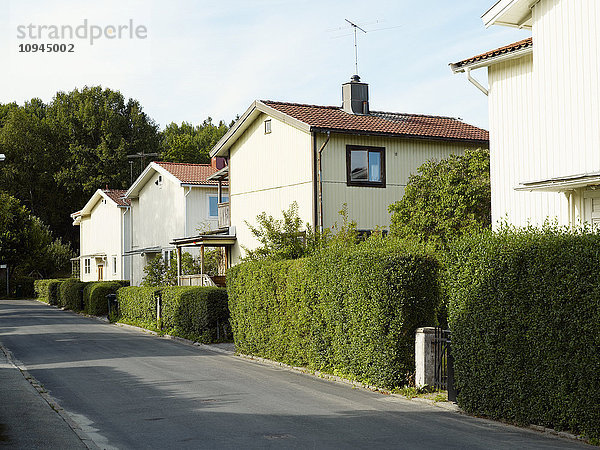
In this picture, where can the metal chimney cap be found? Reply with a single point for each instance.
(355, 78)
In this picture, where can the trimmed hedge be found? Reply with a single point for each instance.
(138, 304)
(525, 316)
(193, 312)
(70, 294)
(47, 290)
(94, 296)
(198, 313)
(346, 310)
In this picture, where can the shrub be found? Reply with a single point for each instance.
(94, 296)
(525, 317)
(347, 309)
(47, 290)
(70, 294)
(138, 305)
(198, 313)
(22, 287)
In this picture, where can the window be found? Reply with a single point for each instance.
(267, 126)
(365, 166)
(167, 254)
(114, 265)
(87, 265)
(213, 205)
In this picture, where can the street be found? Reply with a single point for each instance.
(127, 389)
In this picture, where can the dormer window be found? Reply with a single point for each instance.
(267, 126)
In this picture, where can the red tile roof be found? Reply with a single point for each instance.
(190, 173)
(384, 123)
(525, 43)
(116, 195)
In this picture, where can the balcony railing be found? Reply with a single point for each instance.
(224, 218)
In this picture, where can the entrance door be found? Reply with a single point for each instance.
(100, 272)
(592, 207)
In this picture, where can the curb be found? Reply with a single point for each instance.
(85, 439)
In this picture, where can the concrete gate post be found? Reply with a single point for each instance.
(424, 357)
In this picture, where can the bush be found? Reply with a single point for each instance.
(22, 287)
(351, 310)
(47, 290)
(70, 294)
(198, 313)
(138, 305)
(525, 317)
(94, 296)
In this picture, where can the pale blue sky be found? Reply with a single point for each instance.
(212, 58)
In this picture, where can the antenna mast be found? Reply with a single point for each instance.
(353, 25)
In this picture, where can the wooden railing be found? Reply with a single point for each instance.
(224, 218)
(200, 279)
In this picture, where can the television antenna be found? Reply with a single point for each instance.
(355, 28)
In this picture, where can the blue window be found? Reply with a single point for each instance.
(213, 205)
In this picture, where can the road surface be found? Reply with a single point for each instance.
(127, 389)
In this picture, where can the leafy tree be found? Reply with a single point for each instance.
(58, 154)
(191, 144)
(445, 200)
(26, 244)
(158, 273)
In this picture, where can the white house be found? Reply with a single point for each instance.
(544, 108)
(169, 200)
(104, 236)
(322, 157)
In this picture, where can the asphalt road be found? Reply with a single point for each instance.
(127, 389)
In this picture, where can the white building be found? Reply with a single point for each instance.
(169, 200)
(322, 157)
(544, 108)
(104, 236)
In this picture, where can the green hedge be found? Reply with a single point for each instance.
(350, 310)
(94, 296)
(22, 287)
(138, 304)
(70, 294)
(47, 290)
(198, 313)
(525, 317)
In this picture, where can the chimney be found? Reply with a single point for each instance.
(355, 96)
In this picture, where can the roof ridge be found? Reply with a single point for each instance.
(183, 164)
(301, 104)
(433, 116)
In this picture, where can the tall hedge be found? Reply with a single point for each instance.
(70, 294)
(138, 304)
(46, 290)
(94, 296)
(198, 313)
(347, 310)
(525, 317)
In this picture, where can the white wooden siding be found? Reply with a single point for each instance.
(515, 157)
(566, 36)
(100, 233)
(267, 173)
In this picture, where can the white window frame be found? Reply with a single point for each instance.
(87, 265)
(114, 265)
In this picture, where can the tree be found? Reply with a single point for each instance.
(190, 144)
(58, 154)
(445, 200)
(26, 244)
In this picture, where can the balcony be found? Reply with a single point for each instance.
(224, 217)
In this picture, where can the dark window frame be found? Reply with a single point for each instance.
(368, 149)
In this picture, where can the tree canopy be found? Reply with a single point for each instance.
(26, 244)
(190, 144)
(445, 199)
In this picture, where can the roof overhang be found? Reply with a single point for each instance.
(139, 251)
(222, 147)
(92, 255)
(207, 240)
(221, 175)
(486, 62)
(89, 206)
(510, 13)
(561, 184)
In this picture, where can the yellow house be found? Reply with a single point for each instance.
(323, 157)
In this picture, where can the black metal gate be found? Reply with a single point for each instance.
(444, 362)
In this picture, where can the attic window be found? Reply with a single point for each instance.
(158, 181)
(267, 126)
(365, 166)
